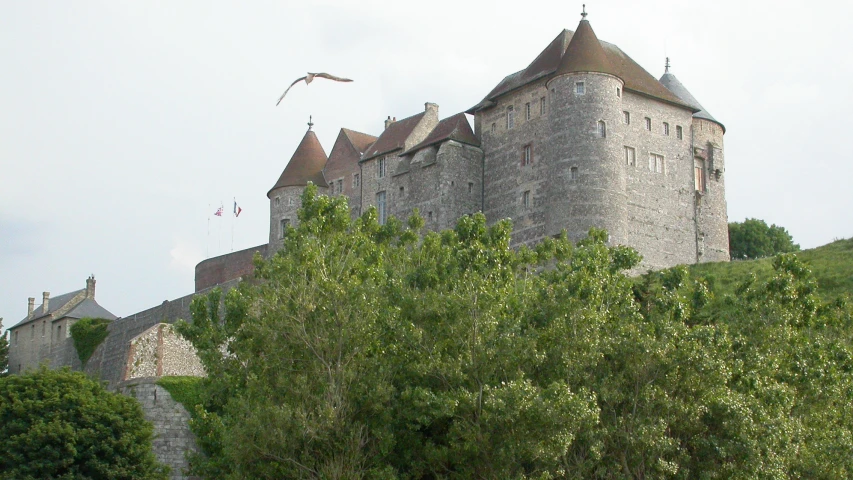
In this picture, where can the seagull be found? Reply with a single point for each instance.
(308, 79)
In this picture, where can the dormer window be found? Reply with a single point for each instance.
(580, 89)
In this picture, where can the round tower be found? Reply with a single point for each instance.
(709, 166)
(587, 182)
(306, 165)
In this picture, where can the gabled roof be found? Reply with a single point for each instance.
(669, 81)
(451, 128)
(90, 308)
(546, 63)
(585, 53)
(394, 137)
(86, 308)
(361, 141)
(306, 165)
(53, 305)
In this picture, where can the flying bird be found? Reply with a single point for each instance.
(308, 79)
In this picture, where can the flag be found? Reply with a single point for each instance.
(218, 212)
(237, 209)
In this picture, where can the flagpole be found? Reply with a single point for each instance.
(221, 206)
(232, 223)
(207, 245)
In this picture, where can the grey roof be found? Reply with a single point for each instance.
(90, 308)
(671, 82)
(86, 308)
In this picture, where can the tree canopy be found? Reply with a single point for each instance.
(61, 424)
(379, 351)
(752, 238)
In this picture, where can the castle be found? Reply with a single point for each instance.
(582, 137)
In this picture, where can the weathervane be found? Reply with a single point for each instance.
(583, 13)
(666, 67)
(310, 122)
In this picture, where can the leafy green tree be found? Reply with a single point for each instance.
(4, 351)
(752, 238)
(380, 351)
(61, 424)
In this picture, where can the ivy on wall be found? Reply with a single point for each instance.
(87, 334)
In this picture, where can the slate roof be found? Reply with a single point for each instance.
(306, 165)
(585, 53)
(86, 308)
(546, 63)
(455, 128)
(394, 137)
(361, 141)
(669, 81)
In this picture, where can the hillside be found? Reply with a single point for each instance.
(832, 265)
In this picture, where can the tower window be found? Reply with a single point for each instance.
(630, 157)
(525, 199)
(285, 222)
(699, 174)
(679, 132)
(542, 106)
(381, 167)
(618, 92)
(510, 118)
(356, 180)
(573, 173)
(429, 216)
(626, 116)
(656, 163)
(402, 191)
(648, 124)
(527, 155)
(602, 129)
(290, 201)
(380, 205)
(494, 127)
(470, 187)
(527, 108)
(277, 201)
(665, 128)
(580, 89)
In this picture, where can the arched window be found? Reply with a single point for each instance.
(602, 129)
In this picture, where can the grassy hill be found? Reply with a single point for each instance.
(832, 265)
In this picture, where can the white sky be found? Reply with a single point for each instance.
(123, 125)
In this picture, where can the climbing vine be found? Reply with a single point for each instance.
(87, 334)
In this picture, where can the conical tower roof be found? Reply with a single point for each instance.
(306, 165)
(669, 81)
(585, 53)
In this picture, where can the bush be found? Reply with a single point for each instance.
(87, 334)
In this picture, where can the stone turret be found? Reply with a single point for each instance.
(306, 165)
(586, 183)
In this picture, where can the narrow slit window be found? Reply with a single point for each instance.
(527, 155)
(665, 128)
(679, 132)
(381, 167)
(573, 173)
(602, 129)
(626, 115)
(542, 106)
(648, 124)
(525, 199)
(527, 109)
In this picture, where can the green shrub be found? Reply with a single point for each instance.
(87, 334)
(185, 390)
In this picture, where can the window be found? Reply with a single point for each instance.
(527, 109)
(525, 199)
(43, 328)
(527, 155)
(494, 127)
(356, 180)
(380, 205)
(630, 157)
(510, 117)
(290, 201)
(679, 133)
(656, 163)
(665, 128)
(285, 222)
(58, 332)
(579, 88)
(602, 129)
(470, 187)
(402, 191)
(381, 167)
(16, 338)
(542, 106)
(33, 332)
(627, 116)
(574, 173)
(429, 216)
(339, 185)
(277, 201)
(699, 174)
(648, 124)
(618, 92)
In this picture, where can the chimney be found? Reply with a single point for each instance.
(388, 122)
(30, 305)
(45, 298)
(90, 287)
(431, 108)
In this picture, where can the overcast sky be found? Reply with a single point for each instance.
(123, 125)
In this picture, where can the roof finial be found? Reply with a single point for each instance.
(666, 67)
(310, 122)
(583, 13)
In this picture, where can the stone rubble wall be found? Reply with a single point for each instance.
(161, 352)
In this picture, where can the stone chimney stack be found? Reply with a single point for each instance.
(431, 108)
(90, 287)
(45, 298)
(388, 122)
(31, 302)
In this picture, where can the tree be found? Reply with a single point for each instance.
(4, 351)
(378, 351)
(754, 239)
(62, 424)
